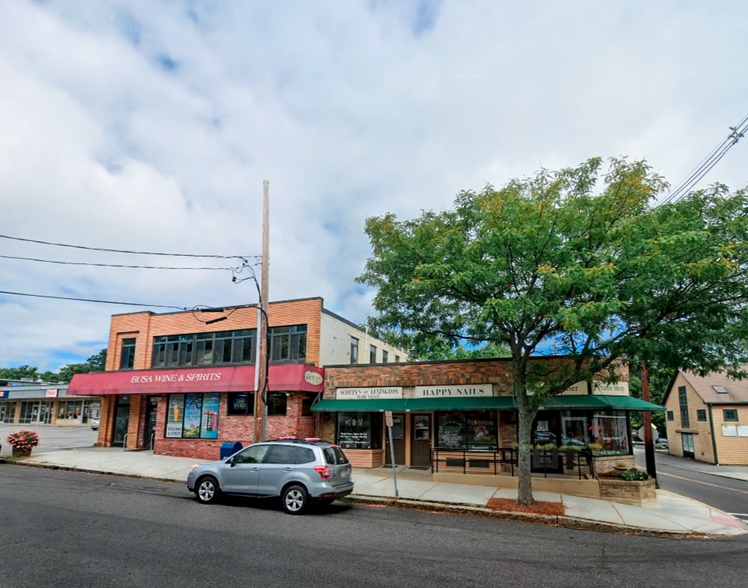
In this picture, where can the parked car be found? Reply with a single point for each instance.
(95, 424)
(299, 472)
(661, 442)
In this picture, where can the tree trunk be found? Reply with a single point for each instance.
(526, 416)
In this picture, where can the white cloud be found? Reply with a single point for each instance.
(151, 125)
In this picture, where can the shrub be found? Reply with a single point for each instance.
(632, 475)
(594, 446)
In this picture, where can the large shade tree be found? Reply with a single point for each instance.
(580, 257)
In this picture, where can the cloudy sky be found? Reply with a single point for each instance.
(151, 125)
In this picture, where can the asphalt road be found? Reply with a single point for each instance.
(51, 438)
(72, 529)
(686, 477)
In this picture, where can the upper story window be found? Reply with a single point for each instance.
(385, 356)
(730, 414)
(372, 354)
(397, 359)
(127, 356)
(204, 348)
(683, 399)
(354, 350)
(287, 344)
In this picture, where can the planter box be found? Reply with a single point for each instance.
(638, 493)
(21, 452)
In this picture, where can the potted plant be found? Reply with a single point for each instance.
(595, 448)
(621, 466)
(23, 442)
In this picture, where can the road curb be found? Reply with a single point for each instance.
(64, 468)
(559, 521)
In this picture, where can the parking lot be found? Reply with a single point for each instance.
(52, 438)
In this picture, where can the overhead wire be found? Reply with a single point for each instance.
(51, 243)
(92, 300)
(716, 155)
(59, 262)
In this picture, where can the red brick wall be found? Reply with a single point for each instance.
(144, 326)
(232, 428)
(497, 371)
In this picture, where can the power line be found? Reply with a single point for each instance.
(686, 185)
(91, 300)
(126, 251)
(230, 269)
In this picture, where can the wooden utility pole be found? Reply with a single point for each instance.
(261, 366)
(649, 449)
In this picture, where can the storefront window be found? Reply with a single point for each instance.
(574, 427)
(193, 416)
(473, 431)
(241, 403)
(360, 430)
(610, 431)
(307, 401)
(277, 403)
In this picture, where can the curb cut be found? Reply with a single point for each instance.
(559, 521)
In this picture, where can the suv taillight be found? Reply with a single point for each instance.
(324, 471)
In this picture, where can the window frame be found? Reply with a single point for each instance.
(128, 344)
(202, 349)
(372, 354)
(685, 418)
(701, 415)
(385, 356)
(734, 411)
(670, 415)
(354, 351)
(278, 395)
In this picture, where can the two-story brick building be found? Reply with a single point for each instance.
(181, 385)
(707, 418)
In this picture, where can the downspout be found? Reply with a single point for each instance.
(714, 439)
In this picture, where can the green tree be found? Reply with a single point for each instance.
(98, 361)
(24, 371)
(578, 257)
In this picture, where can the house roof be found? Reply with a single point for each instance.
(737, 390)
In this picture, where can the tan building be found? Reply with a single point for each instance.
(707, 418)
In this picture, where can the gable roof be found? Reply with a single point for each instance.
(737, 390)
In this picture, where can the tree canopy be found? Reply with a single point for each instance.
(579, 257)
(95, 363)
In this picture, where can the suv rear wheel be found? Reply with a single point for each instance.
(207, 490)
(295, 499)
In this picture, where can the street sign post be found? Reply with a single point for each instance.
(388, 421)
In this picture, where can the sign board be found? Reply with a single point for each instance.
(50, 394)
(4, 394)
(729, 430)
(599, 388)
(459, 390)
(368, 393)
(742, 431)
(388, 417)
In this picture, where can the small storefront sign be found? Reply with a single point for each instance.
(599, 388)
(459, 390)
(50, 394)
(368, 393)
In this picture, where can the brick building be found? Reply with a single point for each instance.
(180, 386)
(707, 418)
(464, 412)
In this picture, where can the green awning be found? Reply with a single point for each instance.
(575, 402)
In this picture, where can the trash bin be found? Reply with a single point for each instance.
(229, 448)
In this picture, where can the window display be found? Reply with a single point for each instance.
(360, 430)
(193, 416)
(574, 429)
(474, 431)
(610, 431)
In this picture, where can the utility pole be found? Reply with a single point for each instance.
(649, 449)
(261, 366)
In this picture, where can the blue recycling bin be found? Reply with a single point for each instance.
(229, 448)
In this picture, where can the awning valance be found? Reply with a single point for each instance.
(282, 378)
(576, 402)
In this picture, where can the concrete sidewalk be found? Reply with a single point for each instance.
(672, 514)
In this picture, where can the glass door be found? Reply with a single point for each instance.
(688, 450)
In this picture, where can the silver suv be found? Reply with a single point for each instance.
(299, 471)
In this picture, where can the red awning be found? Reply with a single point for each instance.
(282, 378)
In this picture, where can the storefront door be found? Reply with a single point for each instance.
(398, 440)
(121, 421)
(420, 441)
(7, 412)
(546, 429)
(688, 450)
(151, 412)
